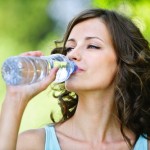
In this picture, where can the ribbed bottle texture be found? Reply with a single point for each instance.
(18, 70)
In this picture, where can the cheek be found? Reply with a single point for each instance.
(104, 74)
(110, 74)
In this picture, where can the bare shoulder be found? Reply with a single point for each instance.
(31, 140)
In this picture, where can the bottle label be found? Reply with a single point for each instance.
(60, 64)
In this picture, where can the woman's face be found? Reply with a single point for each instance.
(89, 45)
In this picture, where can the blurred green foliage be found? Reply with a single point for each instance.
(25, 25)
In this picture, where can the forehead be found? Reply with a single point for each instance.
(90, 27)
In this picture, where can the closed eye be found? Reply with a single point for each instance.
(93, 47)
(68, 49)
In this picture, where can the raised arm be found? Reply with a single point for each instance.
(14, 104)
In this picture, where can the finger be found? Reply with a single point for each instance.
(33, 89)
(49, 79)
(32, 53)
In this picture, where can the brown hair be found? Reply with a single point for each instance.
(132, 93)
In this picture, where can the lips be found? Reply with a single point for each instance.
(79, 69)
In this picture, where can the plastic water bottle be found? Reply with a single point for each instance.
(18, 70)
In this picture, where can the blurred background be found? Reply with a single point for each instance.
(27, 25)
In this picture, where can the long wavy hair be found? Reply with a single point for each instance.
(132, 92)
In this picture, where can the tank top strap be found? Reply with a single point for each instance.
(51, 141)
(141, 144)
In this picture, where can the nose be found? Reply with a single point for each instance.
(74, 54)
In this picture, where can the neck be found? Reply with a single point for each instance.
(95, 116)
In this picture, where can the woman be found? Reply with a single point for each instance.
(109, 107)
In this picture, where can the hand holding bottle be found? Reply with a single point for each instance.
(14, 104)
(29, 91)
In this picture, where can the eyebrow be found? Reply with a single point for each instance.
(87, 38)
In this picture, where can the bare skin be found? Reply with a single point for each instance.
(15, 102)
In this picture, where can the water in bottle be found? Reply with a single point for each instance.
(18, 70)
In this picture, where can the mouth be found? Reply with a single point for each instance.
(78, 70)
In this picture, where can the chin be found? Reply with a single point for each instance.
(71, 86)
